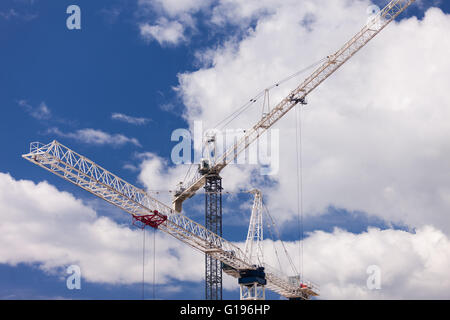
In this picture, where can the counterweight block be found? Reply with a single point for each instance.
(153, 220)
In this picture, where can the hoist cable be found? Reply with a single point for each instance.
(274, 247)
(143, 263)
(244, 107)
(299, 149)
(281, 241)
(154, 264)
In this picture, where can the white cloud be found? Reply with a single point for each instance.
(174, 8)
(413, 266)
(375, 134)
(164, 31)
(52, 229)
(175, 20)
(216, 15)
(156, 175)
(129, 119)
(41, 112)
(96, 137)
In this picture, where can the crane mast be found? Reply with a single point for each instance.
(86, 174)
(298, 95)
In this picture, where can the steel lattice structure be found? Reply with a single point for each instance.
(77, 169)
(253, 245)
(213, 222)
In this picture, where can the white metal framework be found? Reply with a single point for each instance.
(86, 174)
(253, 245)
(298, 96)
(254, 289)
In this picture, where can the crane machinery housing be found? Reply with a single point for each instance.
(247, 265)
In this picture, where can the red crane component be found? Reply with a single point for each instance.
(152, 220)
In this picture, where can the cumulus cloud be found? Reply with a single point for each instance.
(51, 229)
(175, 20)
(375, 140)
(374, 134)
(374, 137)
(412, 265)
(156, 174)
(164, 31)
(96, 137)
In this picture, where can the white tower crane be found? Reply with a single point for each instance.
(84, 173)
(297, 96)
(209, 176)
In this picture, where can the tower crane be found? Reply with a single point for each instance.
(86, 174)
(208, 175)
(208, 239)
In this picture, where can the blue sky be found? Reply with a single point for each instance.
(55, 82)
